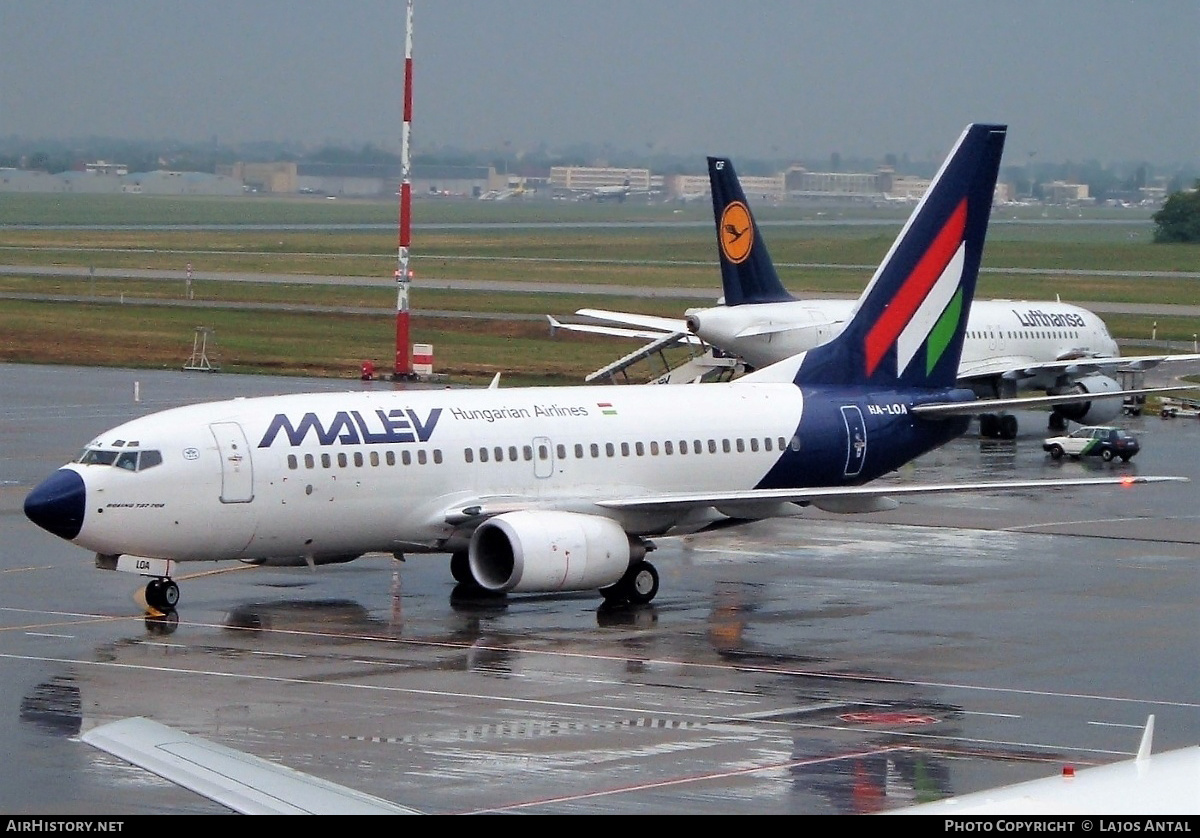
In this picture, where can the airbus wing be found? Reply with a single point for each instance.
(645, 321)
(1029, 366)
(651, 333)
(245, 783)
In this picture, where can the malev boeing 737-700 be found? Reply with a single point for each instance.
(555, 488)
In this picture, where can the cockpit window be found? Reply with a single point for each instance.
(128, 460)
(96, 457)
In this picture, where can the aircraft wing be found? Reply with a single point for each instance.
(1027, 367)
(665, 325)
(615, 331)
(856, 498)
(933, 411)
(1149, 784)
(243, 782)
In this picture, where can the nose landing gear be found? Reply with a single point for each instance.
(162, 594)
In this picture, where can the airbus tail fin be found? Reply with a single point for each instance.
(747, 273)
(907, 328)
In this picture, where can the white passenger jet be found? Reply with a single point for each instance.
(1010, 345)
(555, 488)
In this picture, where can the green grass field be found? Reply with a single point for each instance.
(1062, 255)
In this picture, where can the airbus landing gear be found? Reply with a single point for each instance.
(998, 426)
(162, 595)
(638, 586)
(1058, 422)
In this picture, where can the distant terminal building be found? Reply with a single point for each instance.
(136, 183)
(587, 178)
(376, 180)
(179, 183)
(1060, 192)
(103, 167)
(757, 188)
(262, 177)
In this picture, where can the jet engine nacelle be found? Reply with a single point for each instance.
(1095, 412)
(549, 551)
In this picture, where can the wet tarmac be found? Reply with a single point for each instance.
(826, 664)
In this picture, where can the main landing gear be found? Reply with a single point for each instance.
(162, 594)
(998, 425)
(638, 586)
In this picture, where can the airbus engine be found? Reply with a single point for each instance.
(549, 551)
(1094, 412)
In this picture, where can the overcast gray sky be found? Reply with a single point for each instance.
(1112, 80)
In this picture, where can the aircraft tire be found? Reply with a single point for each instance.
(460, 568)
(154, 595)
(987, 425)
(1008, 426)
(640, 583)
(162, 595)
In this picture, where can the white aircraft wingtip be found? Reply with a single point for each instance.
(1147, 737)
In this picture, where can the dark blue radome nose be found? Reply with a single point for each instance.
(57, 504)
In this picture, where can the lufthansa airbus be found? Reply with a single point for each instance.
(1009, 346)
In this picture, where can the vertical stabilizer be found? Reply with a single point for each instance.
(747, 273)
(908, 326)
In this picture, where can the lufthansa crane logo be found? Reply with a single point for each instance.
(737, 232)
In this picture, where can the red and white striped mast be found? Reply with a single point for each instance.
(403, 355)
